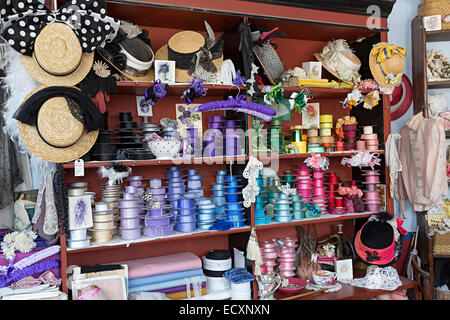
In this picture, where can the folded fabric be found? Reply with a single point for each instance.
(238, 275)
(166, 284)
(182, 294)
(178, 288)
(46, 277)
(164, 277)
(215, 295)
(162, 264)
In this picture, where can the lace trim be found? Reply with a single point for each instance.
(378, 278)
(251, 172)
(75, 109)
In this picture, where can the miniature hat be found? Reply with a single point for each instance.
(401, 98)
(378, 241)
(195, 55)
(386, 62)
(58, 124)
(340, 61)
(57, 47)
(130, 53)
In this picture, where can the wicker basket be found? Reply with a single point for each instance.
(435, 7)
(441, 243)
(441, 294)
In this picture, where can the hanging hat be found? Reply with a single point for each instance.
(58, 124)
(401, 98)
(378, 242)
(340, 61)
(130, 53)
(57, 47)
(386, 63)
(195, 55)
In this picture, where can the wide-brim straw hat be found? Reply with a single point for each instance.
(186, 43)
(58, 126)
(270, 62)
(58, 59)
(343, 55)
(392, 66)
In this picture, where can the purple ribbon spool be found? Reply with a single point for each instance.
(173, 174)
(179, 190)
(135, 178)
(215, 125)
(216, 119)
(136, 183)
(155, 212)
(174, 196)
(231, 123)
(130, 189)
(130, 223)
(157, 191)
(175, 181)
(185, 212)
(185, 226)
(159, 197)
(130, 212)
(155, 183)
(129, 203)
(186, 203)
(174, 168)
(194, 184)
(128, 196)
(191, 172)
(187, 218)
(151, 221)
(160, 231)
(130, 234)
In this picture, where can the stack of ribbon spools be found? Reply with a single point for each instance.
(175, 189)
(303, 182)
(78, 237)
(213, 139)
(218, 196)
(195, 141)
(260, 203)
(314, 141)
(299, 139)
(286, 256)
(371, 199)
(297, 207)
(215, 264)
(111, 195)
(269, 256)
(326, 137)
(349, 136)
(288, 179)
(194, 183)
(234, 208)
(283, 211)
(318, 190)
(275, 136)
(103, 149)
(131, 207)
(186, 217)
(370, 139)
(333, 198)
(158, 221)
(231, 137)
(205, 213)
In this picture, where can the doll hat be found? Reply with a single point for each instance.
(386, 62)
(377, 242)
(338, 59)
(193, 53)
(58, 124)
(57, 47)
(401, 98)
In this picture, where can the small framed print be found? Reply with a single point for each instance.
(144, 108)
(80, 212)
(310, 116)
(344, 269)
(432, 23)
(24, 207)
(165, 71)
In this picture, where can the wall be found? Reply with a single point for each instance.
(399, 23)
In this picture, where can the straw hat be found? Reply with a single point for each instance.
(386, 63)
(186, 44)
(59, 128)
(58, 58)
(338, 59)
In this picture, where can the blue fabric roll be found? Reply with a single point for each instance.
(137, 282)
(162, 285)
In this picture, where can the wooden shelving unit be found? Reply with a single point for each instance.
(307, 32)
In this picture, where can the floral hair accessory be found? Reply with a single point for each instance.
(22, 241)
(298, 100)
(351, 192)
(157, 92)
(239, 80)
(317, 161)
(353, 99)
(195, 90)
(275, 96)
(362, 159)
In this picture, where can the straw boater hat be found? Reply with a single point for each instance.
(58, 58)
(183, 47)
(57, 135)
(338, 59)
(386, 63)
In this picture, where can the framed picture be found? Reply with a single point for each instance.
(344, 269)
(432, 23)
(24, 206)
(144, 108)
(165, 71)
(80, 212)
(310, 116)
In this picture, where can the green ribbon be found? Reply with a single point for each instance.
(276, 94)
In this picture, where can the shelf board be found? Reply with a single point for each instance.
(138, 88)
(320, 92)
(306, 155)
(326, 218)
(441, 255)
(179, 161)
(176, 235)
(436, 36)
(438, 84)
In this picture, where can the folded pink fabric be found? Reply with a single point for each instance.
(162, 264)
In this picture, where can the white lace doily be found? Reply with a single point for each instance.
(51, 226)
(331, 288)
(378, 278)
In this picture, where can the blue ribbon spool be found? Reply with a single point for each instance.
(197, 192)
(195, 177)
(185, 226)
(218, 187)
(283, 212)
(220, 210)
(230, 198)
(235, 217)
(282, 206)
(259, 213)
(282, 218)
(191, 172)
(201, 201)
(220, 180)
(194, 184)
(283, 196)
(219, 193)
(299, 215)
(180, 190)
(176, 184)
(296, 198)
(231, 178)
(206, 216)
(172, 181)
(221, 172)
(174, 168)
(234, 211)
(207, 206)
(219, 201)
(221, 216)
(237, 224)
(187, 218)
(260, 206)
(204, 226)
(233, 183)
(234, 206)
(296, 205)
(185, 212)
(260, 221)
(173, 174)
(190, 195)
(173, 196)
(185, 203)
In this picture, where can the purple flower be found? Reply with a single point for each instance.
(239, 80)
(197, 85)
(159, 89)
(80, 212)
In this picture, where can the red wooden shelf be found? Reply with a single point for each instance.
(306, 155)
(320, 92)
(438, 84)
(436, 36)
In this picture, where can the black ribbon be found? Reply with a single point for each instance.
(92, 119)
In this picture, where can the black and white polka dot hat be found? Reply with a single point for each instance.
(57, 47)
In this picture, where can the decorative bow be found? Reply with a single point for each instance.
(22, 23)
(383, 52)
(275, 96)
(317, 161)
(298, 100)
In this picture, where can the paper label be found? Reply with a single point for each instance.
(79, 168)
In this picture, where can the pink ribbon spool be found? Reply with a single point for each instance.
(269, 263)
(333, 179)
(318, 175)
(287, 266)
(361, 145)
(269, 255)
(372, 201)
(320, 191)
(302, 172)
(304, 193)
(267, 244)
(371, 142)
(302, 167)
(287, 273)
(372, 148)
(349, 134)
(373, 179)
(371, 195)
(371, 172)
(317, 183)
(371, 187)
(370, 136)
(368, 129)
(372, 207)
